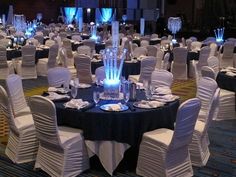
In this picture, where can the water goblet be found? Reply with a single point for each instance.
(126, 97)
(74, 92)
(96, 97)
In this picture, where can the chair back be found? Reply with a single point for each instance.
(28, 55)
(162, 78)
(180, 55)
(90, 43)
(185, 121)
(6, 110)
(100, 73)
(138, 51)
(165, 63)
(63, 35)
(207, 71)
(147, 67)
(76, 37)
(159, 57)
(196, 45)
(151, 50)
(205, 91)
(213, 47)
(3, 57)
(45, 120)
(144, 43)
(16, 94)
(40, 38)
(58, 76)
(49, 42)
(52, 56)
(67, 45)
(214, 63)
(84, 49)
(83, 67)
(228, 51)
(203, 56)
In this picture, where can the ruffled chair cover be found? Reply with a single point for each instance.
(49, 42)
(83, 67)
(138, 51)
(159, 57)
(84, 49)
(58, 76)
(227, 58)
(198, 148)
(165, 64)
(179, 63)
(62, 150)
(5, 42)
(90, 43)
(162, 78)
(76, 38)
(151, 50)
(164, 152)
(40, 39)
(207, 71)
(213, 47)
(213, 62)
(45, 63)
(144, 43)
(147, 67)
(6, 67)
(22, 142)
(32, 41)
(26, 67)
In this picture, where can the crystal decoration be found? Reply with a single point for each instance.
(174, 25)
(219, 34)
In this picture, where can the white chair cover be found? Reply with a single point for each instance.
(213, 62)
(90, 43)
(207, 71)
(198, 148)
(164, 152)
(161, 78)
(159, 57)
(26, 67)
(58, 76)
(45, 63)
(62, 150)
(144, 43)
(138, 51)
(196, 46)
(22, 143)
(32, 41)
(84, 49)
(165, 64)
(179, 64)
(227, 58)
(205, 91)
(213, 47)
(83, 67)
(6, 67)
(100, 73)
(40, 39)
(151, 50)
(49, 42)
(76, 38)
(147, 67)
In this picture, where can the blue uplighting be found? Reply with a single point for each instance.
(106, 15)
(70, 12)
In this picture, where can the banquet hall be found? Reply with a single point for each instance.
(122, 88)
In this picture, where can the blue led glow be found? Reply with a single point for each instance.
(112, 81)
(70, 12)
(106, 15)
(219, 34)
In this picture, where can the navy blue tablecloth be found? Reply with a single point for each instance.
(226, 82)
(125, 127)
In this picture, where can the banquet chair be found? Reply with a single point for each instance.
(76, 38)
(188, 44)
(139, 51)
(207, 71)
(227, 57)
(198, 148)
(5, 42)
(90, 43)
(205, 92)
(147, 67)
(45, 63)
(84, 49)
(39, 33)
(179, 63)
(32, 41)
(159, 57)
(66, 43)
(161, 78)
(202, 61)
(49, 42)
(213, 47)
(153, 36)
(100, 74)
(196, 46)
(40, 39)
(83, 68)
(6, 67)
(213, 62)
(25, 66)
(165, 64)
(22, 142)
(151, 50)
(144, 43)
(58, 76)
(164, 152)
(62, 151)
(63, 35)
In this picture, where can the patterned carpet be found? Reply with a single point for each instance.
(222, 162)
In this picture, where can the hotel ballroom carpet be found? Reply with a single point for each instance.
(222, 134)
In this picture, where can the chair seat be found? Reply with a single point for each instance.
(162, 136)
(68, 135)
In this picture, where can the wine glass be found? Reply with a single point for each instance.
(74, 92)
(96, 97)
(126, 97)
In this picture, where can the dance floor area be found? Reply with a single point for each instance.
(222, 134)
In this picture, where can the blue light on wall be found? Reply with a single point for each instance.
(106, 15)
(70, 12)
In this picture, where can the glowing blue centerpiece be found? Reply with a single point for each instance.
(219, 34)
(113, 64)
(174, 25)
(115, 34)
(93, 29)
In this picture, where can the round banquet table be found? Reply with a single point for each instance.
(124, 127)
(226, 82)
(128, 68)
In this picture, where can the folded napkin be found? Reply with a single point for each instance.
(149, 104)
(162, 91)
(58, 90)
(115, 107)
(229, 73)
(76, 103)
(165, 98)
(56, 97)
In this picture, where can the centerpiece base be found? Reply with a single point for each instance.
(111, 88)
